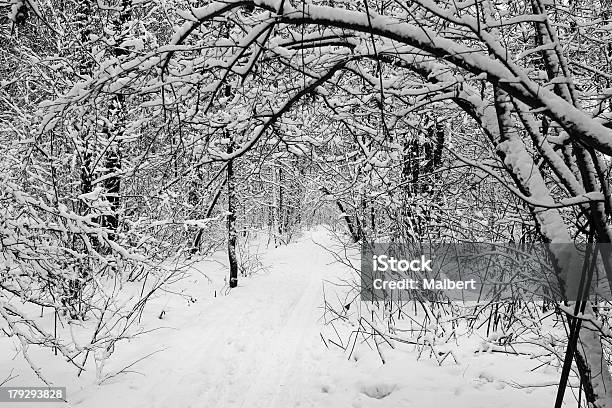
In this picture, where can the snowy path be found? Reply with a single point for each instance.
(253, 348)
(249, 360)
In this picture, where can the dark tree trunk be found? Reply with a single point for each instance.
(349, 222)
(420, 161)
(112, 186)
(83, 24)
(112, 160)
(231, 220)
(73, 301)
(280, 208)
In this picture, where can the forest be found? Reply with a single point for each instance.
(192, 193)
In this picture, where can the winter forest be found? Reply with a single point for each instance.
(187, 188)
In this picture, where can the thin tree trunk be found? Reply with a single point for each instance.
(198, 239)
(349, 223)
(231, 220)
(279, 208)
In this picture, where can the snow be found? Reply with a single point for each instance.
(262, 345)
(91, 196)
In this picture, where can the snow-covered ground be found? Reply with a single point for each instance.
(262, 345)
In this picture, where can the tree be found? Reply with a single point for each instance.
(231, 218)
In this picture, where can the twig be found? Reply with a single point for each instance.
(124, 369)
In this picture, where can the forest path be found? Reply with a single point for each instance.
(260, 347)
(264, 335)
(256, 347)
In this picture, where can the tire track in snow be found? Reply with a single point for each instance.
(261, 343)
(284, 357)
(279, 386)
(279, 332)
(188, 379)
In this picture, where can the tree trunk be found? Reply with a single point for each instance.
(349, 222)
(198, 239)
(116, 112)
(73, 301)
(279, 208)
(231, 220)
